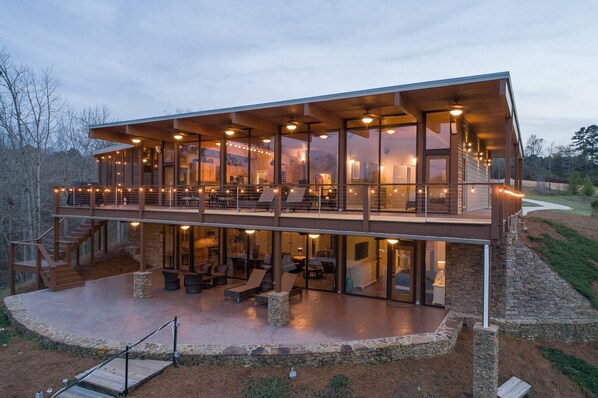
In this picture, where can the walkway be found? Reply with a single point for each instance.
(542, 205)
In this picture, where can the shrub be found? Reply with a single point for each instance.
(595, 207)
(338, 387)
(574, 183)
(587, 188)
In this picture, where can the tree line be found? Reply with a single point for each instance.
(43, 142)
(576, 163)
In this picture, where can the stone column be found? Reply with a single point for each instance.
(278, 309)
(142, 284)
(485, 361)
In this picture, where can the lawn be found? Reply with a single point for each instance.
(580, 205)
(585, 375)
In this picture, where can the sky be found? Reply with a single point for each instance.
(149, 58)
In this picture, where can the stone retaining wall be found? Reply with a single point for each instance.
(369, 351)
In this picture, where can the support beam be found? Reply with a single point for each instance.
(508, 150)
(197, 128)
(277, 260)
(92, 245)
(103, 134)
(142, 247)
(486, 312)
(323, 116)
(147, 133)
(408, 106)
(106, 237)
(251, 122)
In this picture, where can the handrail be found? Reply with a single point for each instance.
(128, 348)
(51, 229)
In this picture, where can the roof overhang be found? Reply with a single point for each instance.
(487, 99)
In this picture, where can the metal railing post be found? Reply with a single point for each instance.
(426, 202)
(319, 201)
(126, 371)
(237, 199)
(174, 352)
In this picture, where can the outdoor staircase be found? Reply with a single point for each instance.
(51, 260)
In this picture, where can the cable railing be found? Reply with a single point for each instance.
(175, 355)
(368, 198)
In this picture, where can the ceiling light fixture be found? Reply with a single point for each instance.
(323, 136)
(184, 227)
(250, 231)
(314, 236)
(136, 140)
(392, 241)
(178, 137)
(390, 131)
(291, 125)
(229, 130)
(456, 109)
(266, 140)
(367, 117)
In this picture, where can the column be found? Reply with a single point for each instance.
(142, 280)
(485, 361)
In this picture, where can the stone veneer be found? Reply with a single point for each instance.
(154, 249)
(142, 284)
(527, 297)
(368, 351)
(278, 309)
(485, 361)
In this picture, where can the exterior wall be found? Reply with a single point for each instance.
(154, 249)
(465, 279)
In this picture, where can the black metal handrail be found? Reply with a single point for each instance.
(126, 353)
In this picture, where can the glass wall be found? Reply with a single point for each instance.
(246, 250)
(434, 273)
(262, 161)
(366, 266)
(237, 163)
(323, 158)
(294, 159)
(188, 164)
(320, 272)
(438, 130)
(205, 245)
(363, 155)
(209, 160)
(398, 163)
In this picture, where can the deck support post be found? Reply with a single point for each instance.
(276, 260)
(486, 310)
(56, 232)
(142, 247)
(92, 243)
(105, 240)
(11, 265)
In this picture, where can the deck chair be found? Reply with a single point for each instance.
(286, 285)
(247, 290)
(295, 200)
(266, 199)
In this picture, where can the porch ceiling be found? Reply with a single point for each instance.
(487, 101)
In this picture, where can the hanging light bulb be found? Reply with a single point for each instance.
(266, 140)
(323, 136)
(367, 118)
(456, 109)
(291, 125)
(178, 137)
(136, 140)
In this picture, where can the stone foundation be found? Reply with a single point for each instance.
(368, 351)
(142, 284)
(485, 361)
(278, 309)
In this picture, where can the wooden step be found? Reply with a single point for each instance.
(81, 392)
(67, 286)
(111, 378)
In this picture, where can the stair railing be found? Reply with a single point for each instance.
(175, 355)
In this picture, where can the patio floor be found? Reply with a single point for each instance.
(106, 309)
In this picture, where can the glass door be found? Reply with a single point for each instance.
(402, 261)
(436, 178)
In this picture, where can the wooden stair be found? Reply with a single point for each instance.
(61, 276)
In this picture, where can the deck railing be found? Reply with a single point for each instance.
(425, 200)
(128, 348)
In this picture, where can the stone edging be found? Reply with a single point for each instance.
(441, 341)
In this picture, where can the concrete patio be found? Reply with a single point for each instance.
(104, 315)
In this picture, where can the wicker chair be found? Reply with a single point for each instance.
(171, 279)
(219, 274)
(205, 270)
(193, 282)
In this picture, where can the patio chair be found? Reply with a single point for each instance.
(171, 279)
(219, 274)
(286, 285)
(327, 267)
(193, 282)
(247, 290)
(205, 270)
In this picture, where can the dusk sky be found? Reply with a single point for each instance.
(148, 58)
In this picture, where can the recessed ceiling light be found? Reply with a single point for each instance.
(178, 137)
(136, 140)
(266, 140)
(323, 136)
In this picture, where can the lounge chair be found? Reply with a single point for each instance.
(263, 203)
(286, 285)
(247, 290)
(295, 200)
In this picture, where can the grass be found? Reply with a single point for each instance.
(583, 374)
(579, 204)
(573, 257)
(4, 332)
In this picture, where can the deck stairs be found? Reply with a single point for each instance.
(109, 381)
(50, 259)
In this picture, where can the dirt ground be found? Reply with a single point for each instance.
(25, 367)
(585, 225)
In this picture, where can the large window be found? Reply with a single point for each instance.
(188, 164)
(366, 266)
(237, 162)
(262, 161)
(323, 158)
(209, 159)
(438, 130)
(294, 159)
(434, 273)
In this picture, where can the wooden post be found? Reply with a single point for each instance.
(142, 247)
(277, 205)
(495, 212)
(78, 256)
(277, 260)
(141, 196)
(508, 150)
(38, 268)
(92, 244)
(56, 200)
(11, 265)
(56, 231)
(201, 205)
(106, 237)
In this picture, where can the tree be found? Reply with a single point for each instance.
(585, 142)
(574, 183)
(587, 188)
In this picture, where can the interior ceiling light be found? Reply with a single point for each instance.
(314, 236)
(392, 241)
(323, 136)
(230, 131)
(178, 137)
(136, 140)
(250, 231)
(266, 140)
(456, 109)
(367, 117)
(291, 125)
(390, 131)
(184, 227)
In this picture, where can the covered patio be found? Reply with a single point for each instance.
(103, 315)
